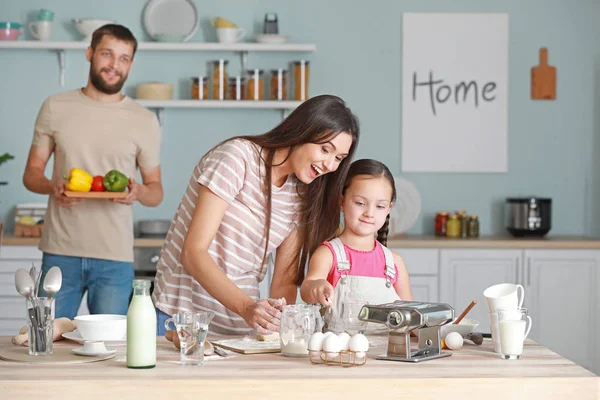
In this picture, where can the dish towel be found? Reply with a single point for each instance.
(61, 325)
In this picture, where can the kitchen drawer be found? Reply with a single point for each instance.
(7, 284)
(20, 252)
(11, 266)
(420, 261)
(13, 307)
(11, 327)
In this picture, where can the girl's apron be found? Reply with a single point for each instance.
(371, 290)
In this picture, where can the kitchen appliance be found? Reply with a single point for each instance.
(153, 228)
(528, 216)
(404, 317)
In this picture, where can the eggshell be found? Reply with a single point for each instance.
(454, 341)
(359, 343)
(332, 345)
(344, 340)
(315, 343)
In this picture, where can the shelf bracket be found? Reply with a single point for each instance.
(160, 114)
(284, 113)
(244, 61)
(61, 67)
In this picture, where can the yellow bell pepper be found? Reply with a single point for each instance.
(79, 180)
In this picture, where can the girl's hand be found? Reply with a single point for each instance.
(323, 292)
(262, 316)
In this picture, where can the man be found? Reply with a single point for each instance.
(97, 129)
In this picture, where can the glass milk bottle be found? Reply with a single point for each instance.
(141, 327)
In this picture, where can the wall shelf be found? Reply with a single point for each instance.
(160, 105)
(241, 48)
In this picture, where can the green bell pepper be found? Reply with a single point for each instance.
(115, 181)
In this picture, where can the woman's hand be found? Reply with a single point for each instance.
(264, 316)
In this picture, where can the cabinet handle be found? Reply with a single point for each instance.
(517, 270)
(529, 272)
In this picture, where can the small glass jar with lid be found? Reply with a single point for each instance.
(219, 79)
(255, 86)
(199, 88)
(453, 226)
(300, 75)
(473, 226)
(279, 84)
(441, 220)
(237, 88)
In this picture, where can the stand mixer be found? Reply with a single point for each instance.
(404, 317)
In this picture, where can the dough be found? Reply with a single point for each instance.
(272, 337)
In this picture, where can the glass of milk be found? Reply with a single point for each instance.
(513, 327)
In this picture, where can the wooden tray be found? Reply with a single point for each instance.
(61, 355)
(97, 195)
(245, 346)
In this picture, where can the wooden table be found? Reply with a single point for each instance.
(472, 372)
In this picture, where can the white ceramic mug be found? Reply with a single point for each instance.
(230, 35)
(504, 295)
(41, 30)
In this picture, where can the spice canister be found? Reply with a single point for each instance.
(453, 227)
(300, 73)
(255, 88)
(200, 88)
(441, 219)
(237, 90)
(219, 79)
(279, 84)
(473, 226)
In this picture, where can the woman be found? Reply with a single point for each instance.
(247, 197)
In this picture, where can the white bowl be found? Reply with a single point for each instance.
(270, 38)
(465, 327)
(87, 26)
(102, 326)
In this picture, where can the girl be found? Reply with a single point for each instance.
(355, 265)
(247, 197)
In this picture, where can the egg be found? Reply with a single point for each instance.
(359, 343)
(327, 334)
(315, 343)
(454, 341)
(344, 340)
(332, 345)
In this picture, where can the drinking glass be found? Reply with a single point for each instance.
(513, 329)
(192, 328)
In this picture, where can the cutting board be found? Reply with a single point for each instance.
(61, 355)
(96, 195)
(248, 346)
(543, 79)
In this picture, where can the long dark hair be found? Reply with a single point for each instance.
(317, 120)
(374, 169)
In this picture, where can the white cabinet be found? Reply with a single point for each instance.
(465, 274)
(423, 270)
(561, 294)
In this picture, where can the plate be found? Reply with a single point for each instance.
(79, 351)
(96, 195)
(407, 208)
(271, 38)
(170, 18)
(76, 337)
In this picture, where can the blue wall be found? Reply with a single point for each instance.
(553, 145)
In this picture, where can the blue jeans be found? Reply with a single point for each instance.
(161, 317)
(108, 283)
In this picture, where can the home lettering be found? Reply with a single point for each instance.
(440, 92)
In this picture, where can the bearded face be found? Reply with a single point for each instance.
(110, 64)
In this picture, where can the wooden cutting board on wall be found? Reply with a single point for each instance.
(543, 79)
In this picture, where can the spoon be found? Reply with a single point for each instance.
(33, 275)
(465, 312)
(53, 281)
(24, 285)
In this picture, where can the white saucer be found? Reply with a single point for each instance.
(79, 351)
(76, 337)
(271, 38)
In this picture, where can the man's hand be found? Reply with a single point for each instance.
(132, 196)
(58, 188)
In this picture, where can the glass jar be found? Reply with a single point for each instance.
(219, 79)
(473, 226)
(279, 84)
(453, 226)
(300, 74)
(237, 90)
(255, 88)
(298, 323)
(200, 88)
(441, 219)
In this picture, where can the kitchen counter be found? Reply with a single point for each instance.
(473, 371)
(418, 241)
